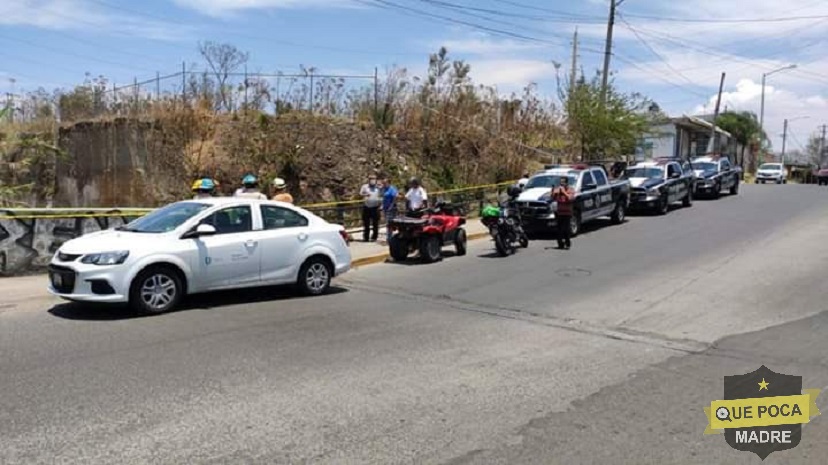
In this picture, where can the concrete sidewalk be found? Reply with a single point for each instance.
(14, 290)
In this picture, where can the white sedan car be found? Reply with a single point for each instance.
(197, 246)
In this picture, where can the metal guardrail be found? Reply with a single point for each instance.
(347, 213)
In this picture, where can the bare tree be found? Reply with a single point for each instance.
(223, 60)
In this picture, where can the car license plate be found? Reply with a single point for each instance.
(57, 280)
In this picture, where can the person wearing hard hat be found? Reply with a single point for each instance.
(250, 188)
(282, 195)
(204, 188)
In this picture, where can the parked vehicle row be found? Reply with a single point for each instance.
(219, 243)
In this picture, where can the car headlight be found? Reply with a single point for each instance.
(106, 258)
(547, 197)
(653, 192)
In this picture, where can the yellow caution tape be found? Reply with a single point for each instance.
(142, 212)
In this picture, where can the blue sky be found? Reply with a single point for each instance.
(672, 52)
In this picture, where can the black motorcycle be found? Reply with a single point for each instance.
(505, 225)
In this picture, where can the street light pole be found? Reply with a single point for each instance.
(762, 105)
(784, 139)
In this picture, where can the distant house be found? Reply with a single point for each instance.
(684, 137)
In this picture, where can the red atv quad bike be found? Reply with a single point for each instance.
(428, 231)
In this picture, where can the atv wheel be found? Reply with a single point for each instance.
(398, 248)
(460, 242)
(430, 249)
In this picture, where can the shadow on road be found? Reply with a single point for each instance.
(206, 301)
(416, 261)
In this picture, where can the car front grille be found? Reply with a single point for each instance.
(62, 279)
(66, 257)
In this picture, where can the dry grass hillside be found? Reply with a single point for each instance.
(86, 147)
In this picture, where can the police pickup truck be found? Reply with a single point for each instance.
(714, 175)
(655, 185)
(595, 196)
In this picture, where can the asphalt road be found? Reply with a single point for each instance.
(605, 353)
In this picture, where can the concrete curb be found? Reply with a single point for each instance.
(383, 257)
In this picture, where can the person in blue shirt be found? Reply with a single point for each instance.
(389, 202)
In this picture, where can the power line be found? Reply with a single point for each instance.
(702, 49)
(57, 50)
(530, 17)
(635, 65)
(566, 14)
(728, 21)
(469, 11)
(393, 6)
(654, 52)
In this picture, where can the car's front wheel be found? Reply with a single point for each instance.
(155, 290)
(315, 276)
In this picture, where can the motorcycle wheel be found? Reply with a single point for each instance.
(524, 240)
(500, 245)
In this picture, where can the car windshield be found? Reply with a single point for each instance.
(705, 166)
(644, 172)
(769, 166)
(548, 181)
(165, 219)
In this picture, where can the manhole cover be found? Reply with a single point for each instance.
(573, 272)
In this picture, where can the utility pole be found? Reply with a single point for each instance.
(573, 74)
(714, 136)
(608, 48)
(822, 147)
(784, 140)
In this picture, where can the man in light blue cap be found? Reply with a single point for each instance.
(250, 188)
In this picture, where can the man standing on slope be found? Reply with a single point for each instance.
(370, 209)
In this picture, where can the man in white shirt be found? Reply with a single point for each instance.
(416, 197)
(372, 198)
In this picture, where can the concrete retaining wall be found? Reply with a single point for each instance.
(29, 238)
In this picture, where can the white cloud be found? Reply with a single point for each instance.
(804, 112)
(218, 8)
(85, 15)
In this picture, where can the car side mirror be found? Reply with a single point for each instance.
(675, 175)
(200, 230)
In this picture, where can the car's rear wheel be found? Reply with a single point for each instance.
(315, 276)
(734, 190)
(619, 213)
(575, 224)
(687, 201)
(156, 290)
